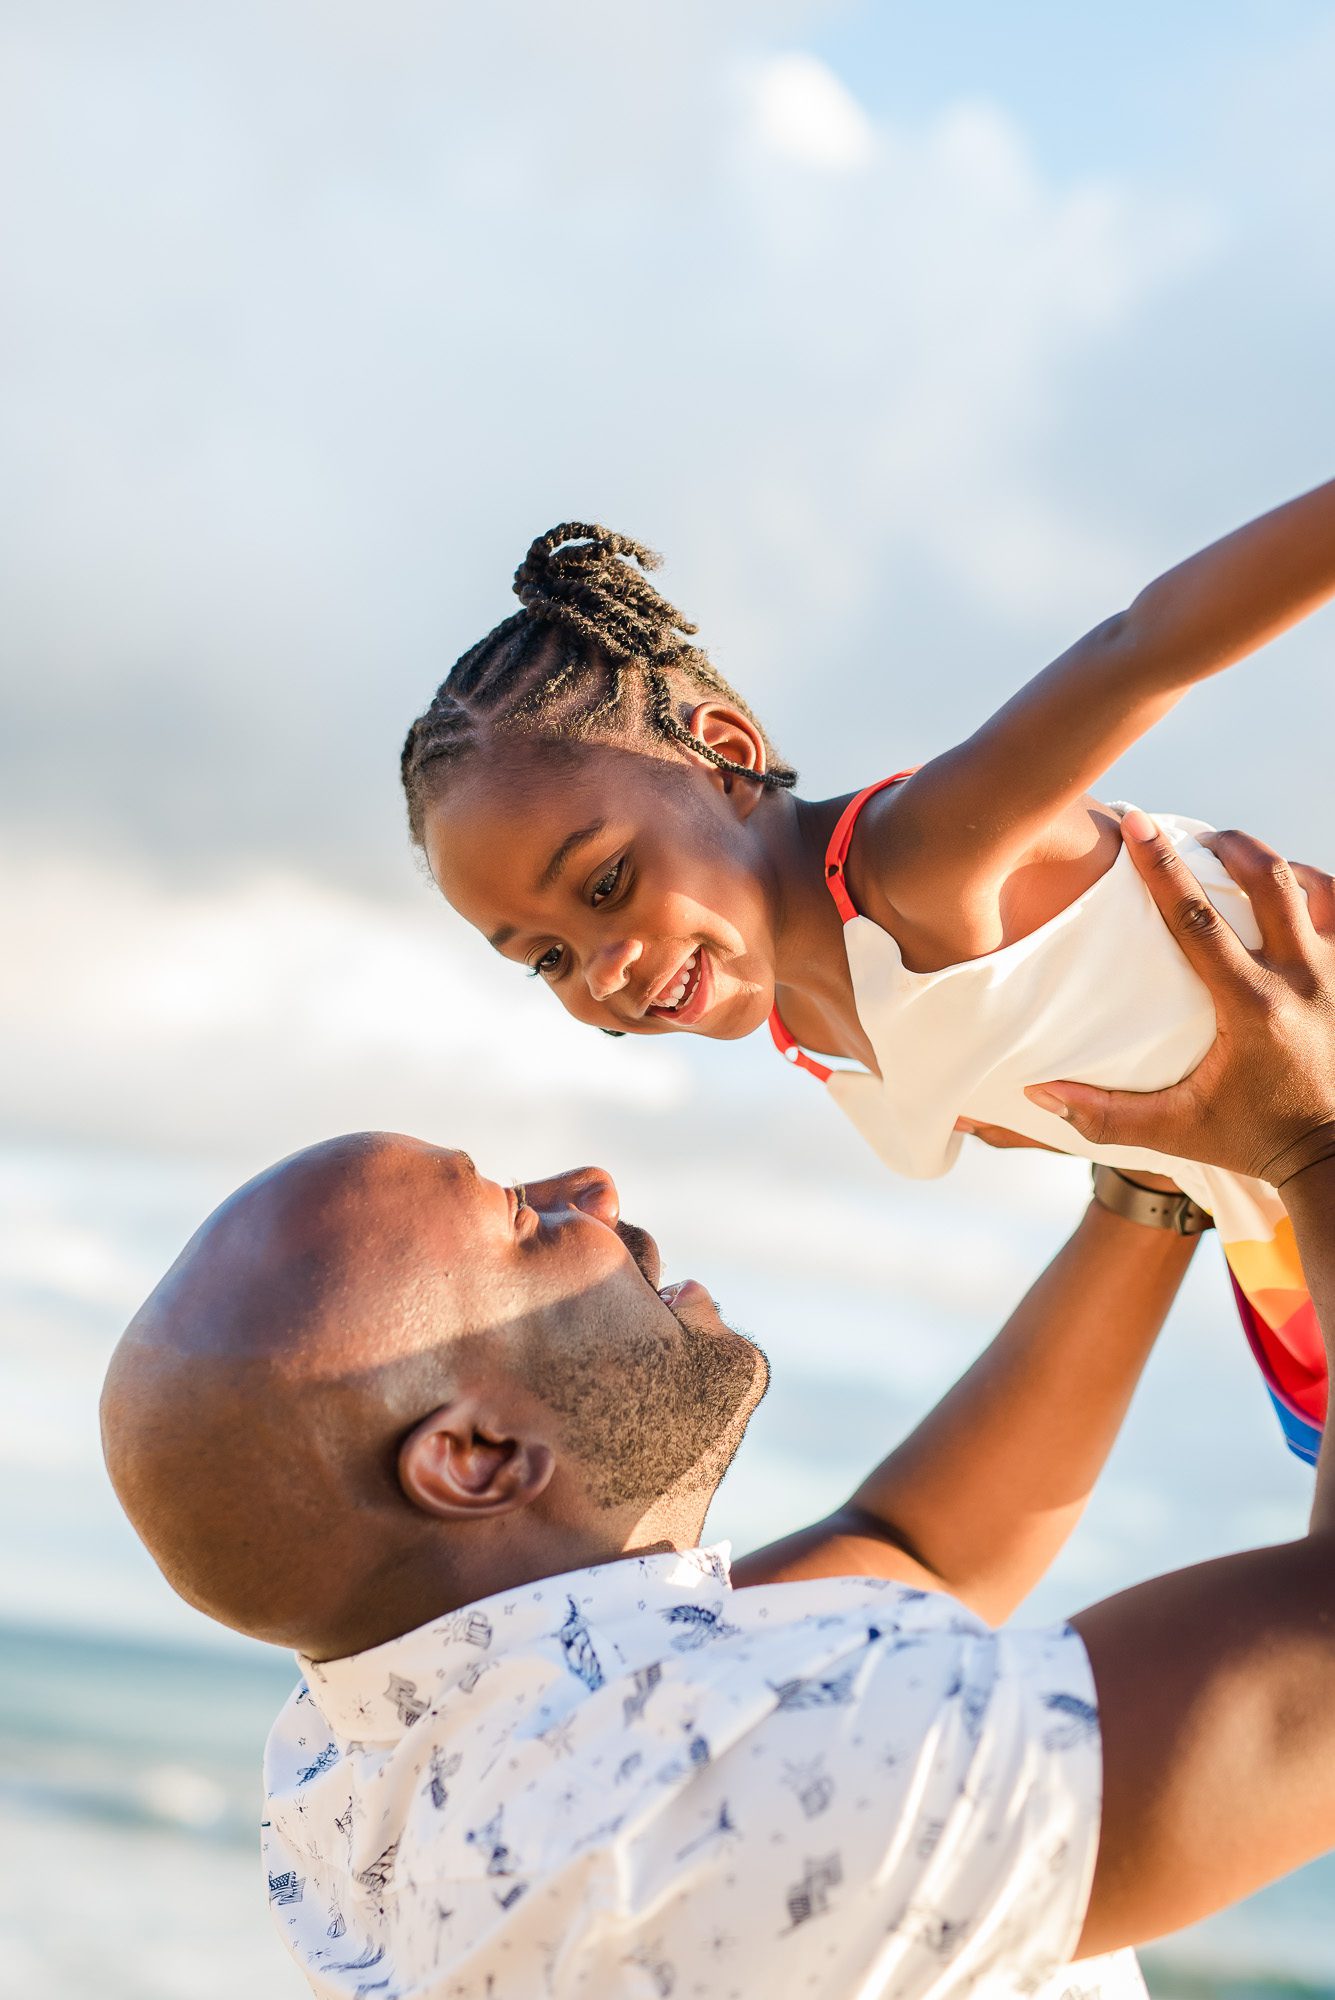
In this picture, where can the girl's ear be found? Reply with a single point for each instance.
(732, 735)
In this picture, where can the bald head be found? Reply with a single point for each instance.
(374, 1384)
(253, 1407)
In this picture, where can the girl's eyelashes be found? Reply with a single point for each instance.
(607, 884)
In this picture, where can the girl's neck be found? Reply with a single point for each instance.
(811, 974)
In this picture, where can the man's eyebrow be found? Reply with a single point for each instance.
(469, 1166)
(568, 846)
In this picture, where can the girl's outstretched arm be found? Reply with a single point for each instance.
(975, 812)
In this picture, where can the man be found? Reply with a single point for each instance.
(447, 1440)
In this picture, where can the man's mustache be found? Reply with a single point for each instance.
(643, 1249)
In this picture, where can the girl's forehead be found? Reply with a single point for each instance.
(488, 805)
(532, 793)
(500, 836)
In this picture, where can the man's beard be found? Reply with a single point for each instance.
(644, 1422)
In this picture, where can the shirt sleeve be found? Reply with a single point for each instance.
(916, 1817)
(1026, 1862)
(970, 1871)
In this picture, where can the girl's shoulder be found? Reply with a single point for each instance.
(941, 911)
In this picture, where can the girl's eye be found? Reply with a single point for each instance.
(549, 963)
(606, 885)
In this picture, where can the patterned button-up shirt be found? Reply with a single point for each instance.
(635, 1781)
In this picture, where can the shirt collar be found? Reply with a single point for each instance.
(377, 1695)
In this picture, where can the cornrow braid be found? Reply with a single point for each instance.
(592, 634)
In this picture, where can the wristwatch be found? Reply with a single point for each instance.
(1152, 1206)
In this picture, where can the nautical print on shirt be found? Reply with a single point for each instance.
(634, 1781)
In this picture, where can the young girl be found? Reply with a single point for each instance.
(595, 798)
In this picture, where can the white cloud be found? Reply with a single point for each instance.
(801, 111)
(256, 1017)
(222, 1027)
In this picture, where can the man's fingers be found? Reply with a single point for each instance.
(1001, 1137)
(1215, 951)
(1320, 889)
(1277, 901)
(1107, 1117)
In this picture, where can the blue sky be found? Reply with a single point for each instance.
(1097, 89)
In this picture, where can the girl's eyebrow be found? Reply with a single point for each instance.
(568, 846)
(507, 933)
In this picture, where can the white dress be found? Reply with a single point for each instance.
(1099, 994)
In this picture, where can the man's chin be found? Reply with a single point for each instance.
(702, 1318)
(762, 1374)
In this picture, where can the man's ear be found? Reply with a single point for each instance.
(454, 1466)
(733, 735)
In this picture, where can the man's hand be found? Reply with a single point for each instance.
(1262, 1100)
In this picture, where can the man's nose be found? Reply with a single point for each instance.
(591, 1189)
(608, 969)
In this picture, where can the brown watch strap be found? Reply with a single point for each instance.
(1151, 1206)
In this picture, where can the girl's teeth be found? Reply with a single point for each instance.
(682, 987)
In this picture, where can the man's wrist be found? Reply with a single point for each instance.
(1152, 1208)
(1309, 1191)
(1313, 1149)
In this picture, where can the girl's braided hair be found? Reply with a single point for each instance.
(595, 648)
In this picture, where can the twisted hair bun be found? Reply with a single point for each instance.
(590, 580)
(591, 627)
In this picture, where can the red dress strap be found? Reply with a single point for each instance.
(836, 854)
(788, 1048)
(842, 839)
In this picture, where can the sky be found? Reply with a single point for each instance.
(918, 339)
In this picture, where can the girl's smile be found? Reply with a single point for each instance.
(686, 999)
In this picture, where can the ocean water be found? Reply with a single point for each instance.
(131, 1728)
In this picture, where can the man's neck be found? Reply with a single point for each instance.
(418, 1595)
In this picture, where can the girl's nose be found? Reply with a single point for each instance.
(608, 970)
(591, 1189)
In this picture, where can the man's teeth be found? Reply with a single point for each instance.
(682, 985)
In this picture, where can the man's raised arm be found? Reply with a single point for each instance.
(1217, 1685)
(979, 1498)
